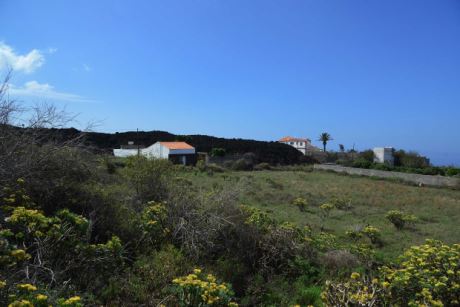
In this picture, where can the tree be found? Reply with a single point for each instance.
(342, 147)
(325, 137)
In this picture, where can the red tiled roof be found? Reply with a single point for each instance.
(177, 145)
(291, 139)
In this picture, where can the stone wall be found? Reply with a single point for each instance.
(436, 181)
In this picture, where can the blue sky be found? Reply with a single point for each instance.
(371, 73)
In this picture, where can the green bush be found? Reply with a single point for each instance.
(150, 178)
(399, 219)
(262, 166)
(242, 165)
(218, 152)
(300, 203)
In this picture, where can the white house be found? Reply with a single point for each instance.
(302, 145)
(177, 152)
(128, 150)
(384, 155)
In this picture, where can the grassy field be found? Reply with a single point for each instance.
(438, 210)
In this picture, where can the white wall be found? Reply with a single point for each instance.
(156, 151)
(124, 152)
(383, 155)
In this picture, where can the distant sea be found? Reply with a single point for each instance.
(443, 159)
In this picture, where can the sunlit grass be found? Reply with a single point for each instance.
(438, 209)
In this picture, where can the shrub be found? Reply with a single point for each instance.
(399, 219)
(342, 203)
(373, 233)
(262, 166)
(410, 159)
(308, 296)
(153, 223)
(425, 275)
(150, 178)
(242, 165)
(218, 152)
(355, 234)
(337, 261)
(362, 163)
(148, 279)
(300, 203)
(357, 291)
(326, 209)
(212, 167)
(199, 289)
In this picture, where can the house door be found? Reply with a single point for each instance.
(183, 160)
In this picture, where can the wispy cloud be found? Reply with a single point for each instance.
(45, 91)
(26, 63)
(51, 50)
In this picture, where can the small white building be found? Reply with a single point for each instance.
(384, 155)
(128, 150)
(177, 152)
(301, 144)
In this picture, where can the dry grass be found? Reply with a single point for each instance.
(437, 209)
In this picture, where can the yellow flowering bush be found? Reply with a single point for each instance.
(15, 196)
(428, 274)
(256, 217)
(400, 219)
(354, 234)
(326, 209)
(26, 295)
(325, 241)
(342, 203)
(200, 289)
(357, 291)
(153, 222)
(373, 233)
(300, 203)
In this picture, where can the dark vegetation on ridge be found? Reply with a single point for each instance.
(269, 152)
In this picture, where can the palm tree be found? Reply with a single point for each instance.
(325, 137)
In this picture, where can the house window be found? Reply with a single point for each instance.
(292, 143)
(301, 143)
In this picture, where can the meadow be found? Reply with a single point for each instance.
(437, 210)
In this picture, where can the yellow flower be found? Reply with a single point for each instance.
(197, 271)
(355, 275)
(21, 303)
(41, 297)
(72, 300)
(27, 287)
(2, 284)
(20, 254)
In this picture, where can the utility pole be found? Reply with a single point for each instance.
(137, 141)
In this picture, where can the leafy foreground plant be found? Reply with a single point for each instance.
(40, 254)
(400, 219)
(426, 275)
(199, 289)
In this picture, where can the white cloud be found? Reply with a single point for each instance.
(52, 50)
(26, 63)
(45, 91)
(86, 67)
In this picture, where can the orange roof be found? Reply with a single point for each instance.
(177, 145)
(291, 139)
